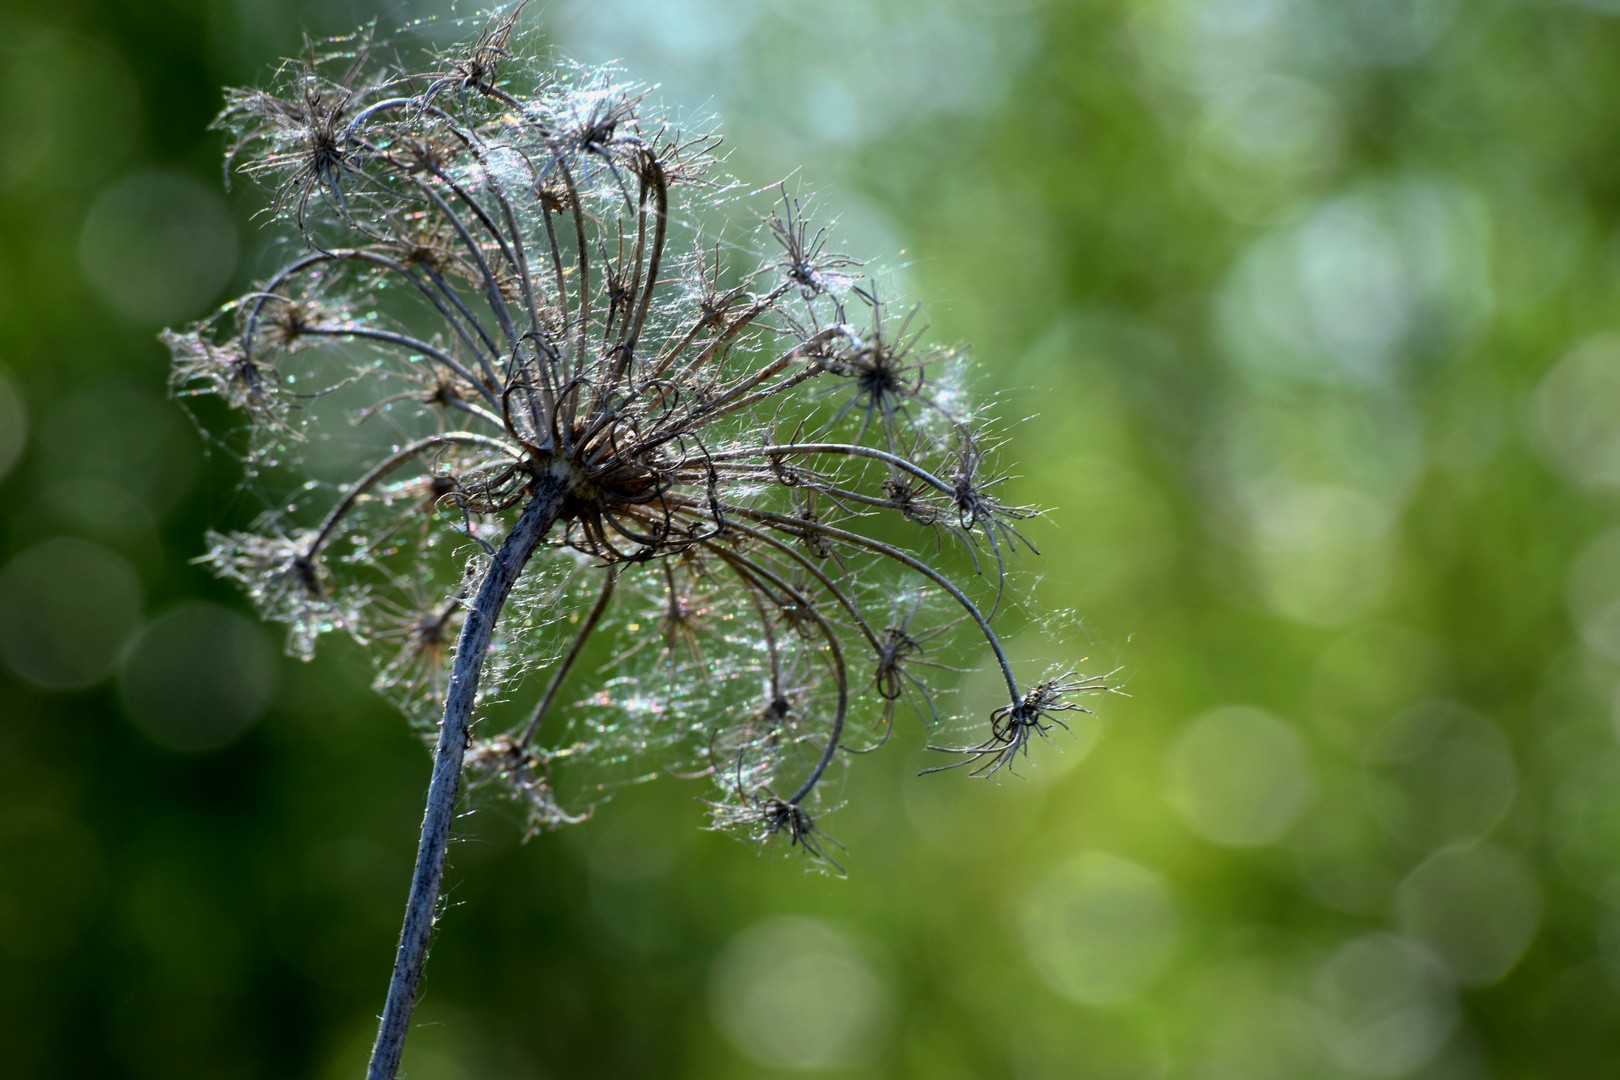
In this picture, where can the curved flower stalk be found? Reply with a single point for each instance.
(509, 396)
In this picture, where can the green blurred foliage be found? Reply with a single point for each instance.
(1308, 305)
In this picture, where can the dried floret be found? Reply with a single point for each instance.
(1012, 726)
(202, 366)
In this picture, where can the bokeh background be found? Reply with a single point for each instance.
(1313, 308)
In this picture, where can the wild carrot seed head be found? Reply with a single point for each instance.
(480, 289)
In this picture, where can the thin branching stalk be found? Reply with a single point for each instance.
(545, 502)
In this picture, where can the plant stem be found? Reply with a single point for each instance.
(545, 500)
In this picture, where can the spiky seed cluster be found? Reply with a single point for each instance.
(1012, 726)
(483, 309)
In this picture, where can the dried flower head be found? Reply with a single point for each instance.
(496, 417)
